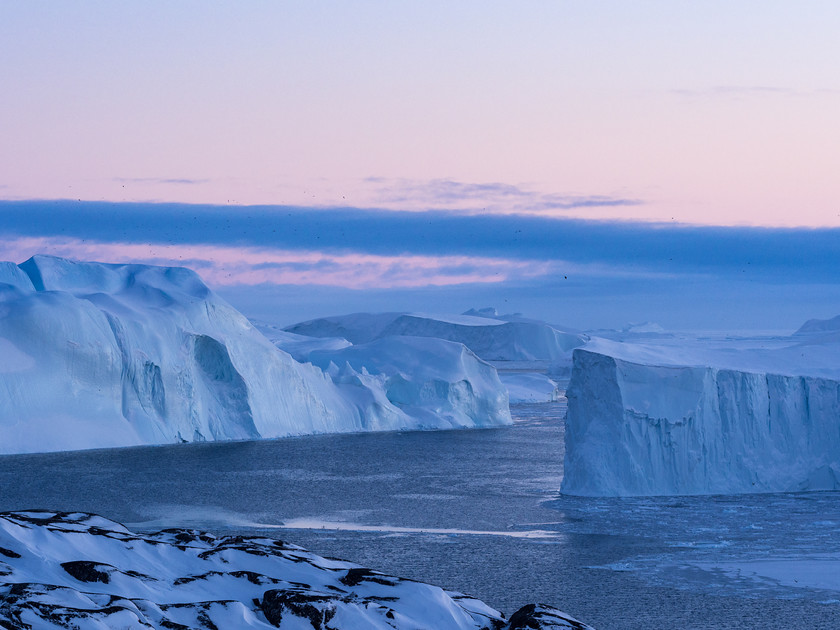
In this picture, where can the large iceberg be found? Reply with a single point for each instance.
(694, 418)
(95, 355)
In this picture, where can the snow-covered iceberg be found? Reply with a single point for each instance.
(820, 326)
(299, 346)
(491, 338)
(95, 355)
(75, 570)
(438, 384)
(441, 384)
(703, 419)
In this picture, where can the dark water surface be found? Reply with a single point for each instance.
(475, 511)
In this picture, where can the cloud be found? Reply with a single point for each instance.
(740, 91)
(275, 261)
(493, 197)
(231, 265)
(778, 255)
(160, 180)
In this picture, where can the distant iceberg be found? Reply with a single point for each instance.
(820, 326)
(490, 337)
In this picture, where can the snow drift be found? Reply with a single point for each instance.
(75, 570)
(646, 420)
(95, 355)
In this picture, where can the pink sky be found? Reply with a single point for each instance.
(700, 113)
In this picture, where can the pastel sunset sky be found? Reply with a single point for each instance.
(709, 132)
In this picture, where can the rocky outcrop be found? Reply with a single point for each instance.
(77, 570)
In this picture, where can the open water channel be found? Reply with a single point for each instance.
(476, 511)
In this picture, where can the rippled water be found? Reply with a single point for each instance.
(476, 511)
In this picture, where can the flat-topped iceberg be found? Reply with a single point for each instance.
(702, 418)
(95, 355)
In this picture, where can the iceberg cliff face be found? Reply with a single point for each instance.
(637, 428)
(95, 355)
(115, 355)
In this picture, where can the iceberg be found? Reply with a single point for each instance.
(96, 355)
(820, 326)
(441, 384)
(492, 338)
(700, 418)
(299, 346)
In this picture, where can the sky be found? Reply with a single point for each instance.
(591, 163)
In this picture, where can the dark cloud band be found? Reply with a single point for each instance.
(777, 254)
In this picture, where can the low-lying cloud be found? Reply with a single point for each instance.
(160, 180)
(493, 197)
(231, 265)
(740, 91)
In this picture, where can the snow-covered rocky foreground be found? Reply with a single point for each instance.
(95, 355)
(686, 416)
(77, 570)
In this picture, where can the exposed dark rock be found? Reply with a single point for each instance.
(86, 571)
(356, 576)
(318, 608)
(542, 617)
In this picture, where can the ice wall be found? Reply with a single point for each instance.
(95, 355)
(637, 428)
